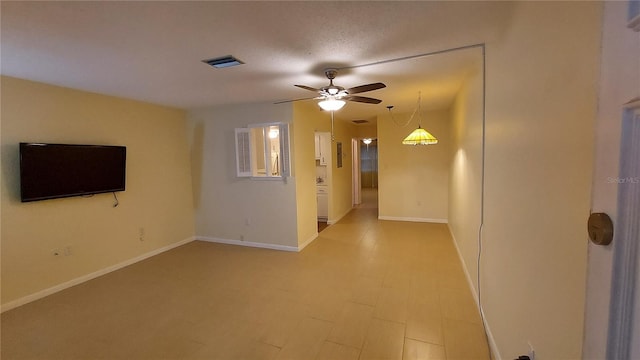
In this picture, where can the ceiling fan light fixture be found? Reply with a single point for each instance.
(331, 104)
(333, 97)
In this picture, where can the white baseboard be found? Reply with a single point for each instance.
(307, 242)
(54, 289)
(413, 219)
(492, 342)
(333, 221)
(249, 243)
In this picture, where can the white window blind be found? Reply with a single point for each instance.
(262, 151)
(243, 152)
(284, 150)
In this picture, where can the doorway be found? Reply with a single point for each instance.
(369, 163)
(369, 172)
(365, 172)
(323, 160)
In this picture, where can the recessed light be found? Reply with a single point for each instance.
(223, 62)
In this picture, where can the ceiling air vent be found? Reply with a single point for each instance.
(223, 62)
(360, 121)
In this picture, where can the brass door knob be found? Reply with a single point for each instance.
(600, 228)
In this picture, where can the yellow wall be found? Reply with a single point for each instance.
(305, 116)
(365, 131)
(157, 196)
(341, 189)
(541, 105)
(340, 197)
(465, 177)
(413, 180)
(619, 84)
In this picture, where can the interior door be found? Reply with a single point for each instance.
(609, 330)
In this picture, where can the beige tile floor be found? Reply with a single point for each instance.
(365, 289)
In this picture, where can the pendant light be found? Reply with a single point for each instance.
(419, 136)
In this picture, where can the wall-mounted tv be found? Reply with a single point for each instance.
(49, 171)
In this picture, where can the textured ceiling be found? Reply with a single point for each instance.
(152, 51)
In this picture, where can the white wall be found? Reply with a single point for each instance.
(413, 180)
(232, 208)
(619, 83)
(157, 196)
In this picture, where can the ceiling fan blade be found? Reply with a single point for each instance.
(364, 88)
(288, 101)
(307, 88)
(362, 99)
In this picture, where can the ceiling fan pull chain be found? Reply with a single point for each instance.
(333, 138)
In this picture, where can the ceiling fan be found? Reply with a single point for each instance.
(333, 93)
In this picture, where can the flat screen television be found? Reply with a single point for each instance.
(50, 171)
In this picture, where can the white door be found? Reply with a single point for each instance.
(619, 85)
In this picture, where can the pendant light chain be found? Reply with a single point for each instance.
(419, 136)
(419, 108)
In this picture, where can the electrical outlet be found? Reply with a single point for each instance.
(141, 234)
(67, 250)
(241, 237)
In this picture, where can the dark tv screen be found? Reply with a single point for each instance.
(49, 171)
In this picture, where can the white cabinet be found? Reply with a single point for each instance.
(323, 171)
(323, 202)
(322, 150)
(323, 160)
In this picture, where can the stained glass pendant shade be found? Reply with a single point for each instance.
(420, 136)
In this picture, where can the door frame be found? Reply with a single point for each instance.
(356, 181)
(621, 340)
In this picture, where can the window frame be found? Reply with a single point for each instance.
(247, 134)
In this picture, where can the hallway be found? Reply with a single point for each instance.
(363, 289)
